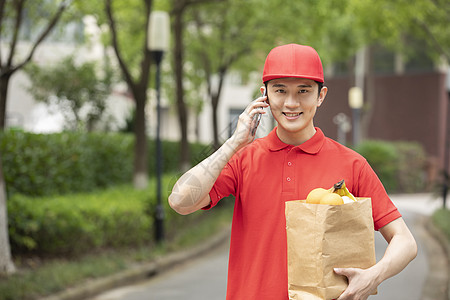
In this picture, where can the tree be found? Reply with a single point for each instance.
(215, 42)
(388, 22)
(12, 16)
(77, 89)
(178, 11)
(393, 25)
(127, 34)
(15, 15)
(236, 35)
(137, 84)
(6, 263)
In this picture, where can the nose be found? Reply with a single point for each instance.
(291, 102)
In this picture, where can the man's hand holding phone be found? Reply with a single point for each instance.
(249, 121)
(257, 116)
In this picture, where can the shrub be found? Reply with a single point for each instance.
(77, 223)
(83, 222)
(382, 157)
(441, 218)
(411, 166)
(171, 155)
(68, 162)
(399, 165)
(38, 164)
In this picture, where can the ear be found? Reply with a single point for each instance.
(262, 89)
(322, 95)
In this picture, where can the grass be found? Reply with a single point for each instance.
(441, 218)
(55, 275)
(37, 278)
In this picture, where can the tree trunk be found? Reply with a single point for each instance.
(181, 105)
(4, 81)
(140, 175)
(370, 102)
(139, 90)
(215, 119)
(215, 97)
(6, 263)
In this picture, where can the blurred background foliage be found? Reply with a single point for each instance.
(69, 193)
(400, 165)
(78, 90)
(71, 162)
(69, 200)
(218, 36)
(224, 35)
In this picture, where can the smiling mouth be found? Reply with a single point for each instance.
(292, 115)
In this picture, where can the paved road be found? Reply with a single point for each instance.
(201, 279)
(205, 278)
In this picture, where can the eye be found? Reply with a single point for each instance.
(303, 91)
(280, 91)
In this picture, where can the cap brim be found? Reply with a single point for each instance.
(275, 76)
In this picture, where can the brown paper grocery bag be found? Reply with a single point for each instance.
(322, 237)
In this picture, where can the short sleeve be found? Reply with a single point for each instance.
(224, 186)
(383, 209)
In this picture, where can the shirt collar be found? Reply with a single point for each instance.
(311, 146)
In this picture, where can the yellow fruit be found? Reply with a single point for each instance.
(332, 199)
(316, 195)
(340, 189)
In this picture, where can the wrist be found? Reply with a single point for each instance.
(233, 144)
(378, 273)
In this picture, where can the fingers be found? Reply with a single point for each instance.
(254, 108)
(347, 272)
(258, 103)
(247, 121)
(360, 284)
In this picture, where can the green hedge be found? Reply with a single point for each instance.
(399, 165)
(441, 218)
(411, 167)
(46, 164)
(79, 223)
(50, 164)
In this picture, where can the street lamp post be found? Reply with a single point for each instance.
(355, 101)
(446, 175)
(158, 43)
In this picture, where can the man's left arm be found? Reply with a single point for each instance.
(402, 249)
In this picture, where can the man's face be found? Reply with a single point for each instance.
(293, 102)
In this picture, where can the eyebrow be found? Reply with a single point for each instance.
(300, 85)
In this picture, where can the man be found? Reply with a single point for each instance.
(293, 159)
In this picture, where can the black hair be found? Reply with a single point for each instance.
(320, 85)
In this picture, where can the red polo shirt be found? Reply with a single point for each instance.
(265, 174)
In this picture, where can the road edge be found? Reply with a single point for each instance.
(435, 279)
(140, 272)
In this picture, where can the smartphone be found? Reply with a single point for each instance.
(257, 117)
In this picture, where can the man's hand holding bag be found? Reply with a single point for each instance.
(321, 237)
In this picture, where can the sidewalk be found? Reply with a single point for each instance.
(424, 204)
(437, 247)
(141, 272)
(435, 288)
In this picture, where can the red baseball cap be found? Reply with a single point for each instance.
(293, 60)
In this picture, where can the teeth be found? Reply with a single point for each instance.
(292, 115)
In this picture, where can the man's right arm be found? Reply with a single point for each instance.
(191, 192)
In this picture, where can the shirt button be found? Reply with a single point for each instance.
(288, 179)
(289, 164)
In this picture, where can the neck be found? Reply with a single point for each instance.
(295, 138)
